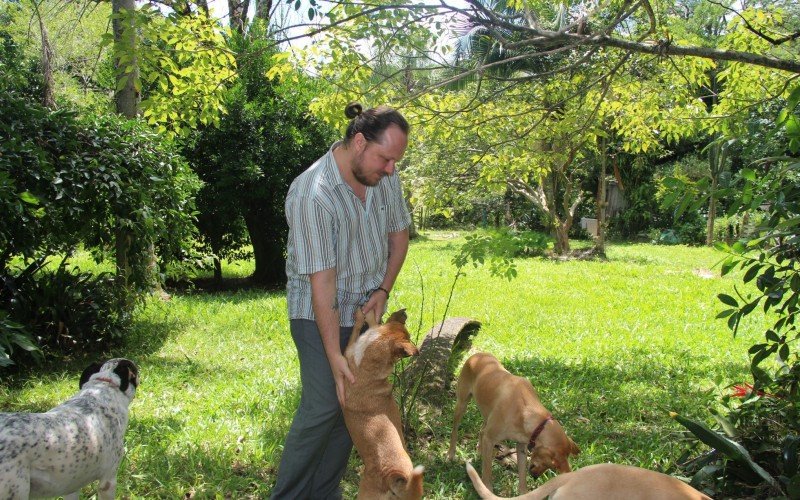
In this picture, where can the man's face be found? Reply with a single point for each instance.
(376, 160)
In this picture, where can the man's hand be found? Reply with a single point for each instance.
(377, 302)
(340, 372)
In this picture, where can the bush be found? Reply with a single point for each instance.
(12, 335)
(756, 451)
(69, 310)
(67, 181)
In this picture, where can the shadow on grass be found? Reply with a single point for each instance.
(617, 412)
(622, 407)
(210, 285)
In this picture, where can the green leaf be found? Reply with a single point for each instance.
(728, 447)
(24, 342)
(762, 355)
(793, 99)
(29, 198)
(751, 273)
(783, 352)
(727, 300)
(726, 425)
(727, 266)
(725, 313)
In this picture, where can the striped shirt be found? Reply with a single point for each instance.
(329, 227)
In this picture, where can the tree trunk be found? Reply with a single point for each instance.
(600, 241)
(712, 213)
(217, 271)
(48, 86)
(127, 104)
(263, 8)
(269, 245)
(237, 14)
(562, 238)
(412, 228)
(508, 217)
(126, 98)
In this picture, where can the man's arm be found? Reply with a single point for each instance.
(325, 304)
(398, 248)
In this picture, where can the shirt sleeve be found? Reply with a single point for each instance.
(312, 235)
(398, 218)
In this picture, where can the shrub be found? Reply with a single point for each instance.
(12, 335)
(756, 450)
(69, 310)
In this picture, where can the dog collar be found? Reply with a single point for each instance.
(538, 430)
(106, 379)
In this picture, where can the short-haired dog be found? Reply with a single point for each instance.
(371, 413)
(79, 441)
(603, 482)
(511, 410)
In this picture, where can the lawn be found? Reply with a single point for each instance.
(612, 346)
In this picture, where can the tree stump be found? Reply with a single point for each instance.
(433, 368)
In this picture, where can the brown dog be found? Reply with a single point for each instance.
(511, 411)
(371, 413)
(604, 482)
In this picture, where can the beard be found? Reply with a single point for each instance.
(360, 175)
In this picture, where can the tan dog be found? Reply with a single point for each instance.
(511, 411)
(371, 413)
(604, 482)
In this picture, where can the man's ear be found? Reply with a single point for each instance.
(359, 141)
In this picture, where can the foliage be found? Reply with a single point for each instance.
(70, 311)
(500, 248)
(767, 420)
(82, 71)
(13, 334)
(184, 66)
(248, 161)
(68, 180)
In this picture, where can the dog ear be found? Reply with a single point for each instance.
(88, 372)
(398, 317)
(406, 487)
(573, 448)
(414, 489)
(128, 374)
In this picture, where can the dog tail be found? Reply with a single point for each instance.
(481, 488)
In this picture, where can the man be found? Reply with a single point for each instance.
(348, 238)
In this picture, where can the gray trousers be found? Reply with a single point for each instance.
(317, 448)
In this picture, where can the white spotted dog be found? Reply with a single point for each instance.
(59, 452)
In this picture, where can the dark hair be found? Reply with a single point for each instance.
(372, 122)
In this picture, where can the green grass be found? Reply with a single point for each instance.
(611, 346)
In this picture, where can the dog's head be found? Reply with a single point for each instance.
(382, 346)
(552, 450)
(119, 372)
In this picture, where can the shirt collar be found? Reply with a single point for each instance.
(332, 168)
